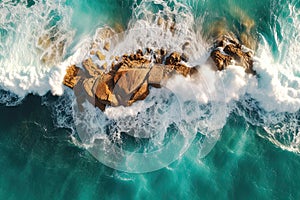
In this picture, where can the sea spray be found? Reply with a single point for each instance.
(33, 39)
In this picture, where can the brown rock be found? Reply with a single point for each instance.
(149, 50)
(173, 58)
(156, 76)
(72, 77)
(182, 69)
(128, 84)
(104, 90)
(221, 60)
(159, 21)
(91, 68)
(141, 94)
(106, 46)
(234, 51)
(243, 59)
(104, 66)
(184, 57)
(185, 45)
(100, 55)
(99, 104)
(88, 85)
(172, 28)
(160, 55)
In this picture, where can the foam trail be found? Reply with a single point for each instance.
(33, 39)
(206, 101)
(273, 102)
(203, 111)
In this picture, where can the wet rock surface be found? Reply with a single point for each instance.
(228, 51)
(130, 78)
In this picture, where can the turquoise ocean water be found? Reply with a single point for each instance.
(254, 153)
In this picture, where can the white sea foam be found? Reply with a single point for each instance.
(199, 104)
(29, 37)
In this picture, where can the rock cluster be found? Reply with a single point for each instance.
(128, 80)
(228, 51)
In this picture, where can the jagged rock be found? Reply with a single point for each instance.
(172, 28)
(128, 84)
(182, 69)
(160, 55)
(184, 57)
(221, 60)
(185, 45)
(128, 80)
(72, 76)
(173, 58)
(104, 90)
(242, 58)
(233, 51)
(141, 94)
(91, 68)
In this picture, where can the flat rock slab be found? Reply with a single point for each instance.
(129, 83)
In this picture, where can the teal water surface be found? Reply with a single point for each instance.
(38, 159)
(39, 162)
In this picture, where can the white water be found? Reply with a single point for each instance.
(205, 101)
(21, 68)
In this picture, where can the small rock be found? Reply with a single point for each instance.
(159, 21)
(172, 28)
(185, 45)
(106, 46)
(100, 55)
(173, 58)
(72, 77)
(149, 50)
(184, 57)
(182, 69)
(104, 66)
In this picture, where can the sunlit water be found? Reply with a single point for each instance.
(251, 123)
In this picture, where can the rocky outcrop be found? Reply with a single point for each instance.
(228, 51)
(128, 80)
